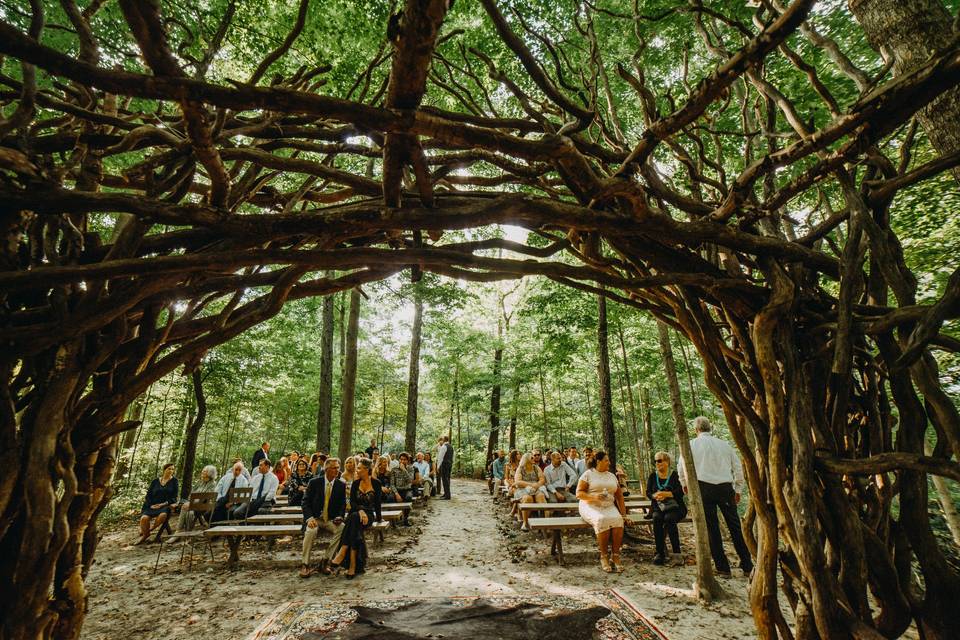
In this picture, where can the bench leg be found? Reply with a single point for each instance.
(556, 548)
(233, 542)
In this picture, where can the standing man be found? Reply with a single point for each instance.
(445, 464)
(324, 506)
(260, 454)
(373, 447)
(265, 485)
(721, 484)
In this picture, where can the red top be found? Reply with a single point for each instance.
(281, 475)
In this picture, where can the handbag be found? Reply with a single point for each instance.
(668, 505)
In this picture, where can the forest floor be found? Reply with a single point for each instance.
(465, 546)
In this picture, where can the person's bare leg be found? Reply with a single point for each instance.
(159, 523)
(616, 539)
(352, 571)
(524, 515)
(603, 541)
(144, 528)
(341, 555)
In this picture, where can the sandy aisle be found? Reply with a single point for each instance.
(466, 546)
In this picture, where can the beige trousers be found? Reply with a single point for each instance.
(309, 535)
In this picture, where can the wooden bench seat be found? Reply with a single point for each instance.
(234, 534)
(557, 526)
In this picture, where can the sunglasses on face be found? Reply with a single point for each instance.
(660, 460)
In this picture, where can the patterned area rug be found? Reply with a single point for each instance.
(341, 619)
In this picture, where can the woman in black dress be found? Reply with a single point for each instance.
(365, 496)
(297, 483)
(667, 507)
(161, 495)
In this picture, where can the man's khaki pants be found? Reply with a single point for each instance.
(309, 535)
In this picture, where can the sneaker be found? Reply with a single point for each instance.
(658, 559)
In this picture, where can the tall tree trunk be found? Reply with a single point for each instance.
(945, 498)
(543, 398)
(643, 466)
(911, 31)
(512, 438)
(325, 393)
(707, 588)
(125, 458)
(349, 376)
(559, 414)
(494, 436)
(413, 380)
(603, 375)
(190, 442)
(647, 426)
(686, 365)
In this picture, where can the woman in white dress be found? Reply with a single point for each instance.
(529, 485)
(601, 504)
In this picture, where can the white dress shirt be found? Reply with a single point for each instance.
(423, 468)
(559, 477)
(270, 483)
(441, 454)
(716, 462)
(224, 485)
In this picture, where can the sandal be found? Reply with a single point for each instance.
(615, 560)
(605, 564)
(305, 571)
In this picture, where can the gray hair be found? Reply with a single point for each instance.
(702, 425)
(329, 462)
(663, 454)
(211, 471)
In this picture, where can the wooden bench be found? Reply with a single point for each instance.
(235, 534)
(573, 507)
(557, 526)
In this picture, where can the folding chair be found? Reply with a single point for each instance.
(201, 505)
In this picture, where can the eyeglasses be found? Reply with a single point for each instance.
(660, 460)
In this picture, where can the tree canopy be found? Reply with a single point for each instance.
(755, 175)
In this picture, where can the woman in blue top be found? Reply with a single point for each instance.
(667, 507)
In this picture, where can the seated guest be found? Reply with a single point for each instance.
(560, 479)
(206, 484)
(423, 481)
(349, 475)
(538, 459)
(497, 468)
(529, 484)
(401, 483)
(364, 511)
(667, 507)
(381, 471)
(234, 478)
(573, 459)
(394, 462)
(324, 507)
(297, 483)
(282, 472)
(584, 462)
(601, 504)
(264, 486)
(162, 494)
(293, 458)
(510, 471)
(428, 458)
(243, 467)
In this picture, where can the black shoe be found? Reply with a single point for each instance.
(658, 559)
(747, 570)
